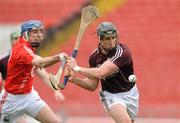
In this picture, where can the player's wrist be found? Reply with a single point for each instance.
(77, 69)
(61, 57)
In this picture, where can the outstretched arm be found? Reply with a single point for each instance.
(107, 68)
(86, 83)
(47, 61)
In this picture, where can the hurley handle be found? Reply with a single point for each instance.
(74, 54)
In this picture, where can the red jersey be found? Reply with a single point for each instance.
(20, 70)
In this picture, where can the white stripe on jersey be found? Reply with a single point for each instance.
(118, 54)
(94, 51)
(29, 51)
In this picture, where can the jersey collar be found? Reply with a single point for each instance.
(25, 42)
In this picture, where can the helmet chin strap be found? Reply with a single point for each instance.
(25, 36)
(104, 50)
(107, 50)
(33, 44)
(36, 44)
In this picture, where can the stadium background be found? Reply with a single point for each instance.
(149, 27)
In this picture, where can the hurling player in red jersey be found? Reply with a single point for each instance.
(19, 97)
(112, 64)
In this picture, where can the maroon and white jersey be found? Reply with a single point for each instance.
(3, 65)
(121, 57)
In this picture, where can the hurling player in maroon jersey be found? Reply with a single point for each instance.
(111, 64)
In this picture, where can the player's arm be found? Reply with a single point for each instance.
(107, 68)
(44, 76)
(47, 61)
(86, 83)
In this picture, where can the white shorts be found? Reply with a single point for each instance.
(15, 106)
(130, 100)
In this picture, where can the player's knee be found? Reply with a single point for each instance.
(123, 120)
(126, 120)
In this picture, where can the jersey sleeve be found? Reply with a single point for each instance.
(1, 66)
(91, 61)
(122, 59)
(25, 56)
(2, 70)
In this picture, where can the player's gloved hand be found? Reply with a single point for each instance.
(59, 96)
(63, 56)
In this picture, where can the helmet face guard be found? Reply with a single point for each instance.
(31, 24)
(27, 26)
(106, 29)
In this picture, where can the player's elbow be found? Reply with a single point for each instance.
(38, 63)
(92, 88)
(100, 76)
